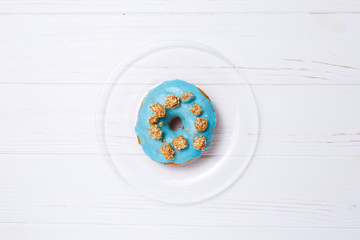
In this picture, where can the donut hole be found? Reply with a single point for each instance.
(176, 124)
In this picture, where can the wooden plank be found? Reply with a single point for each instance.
(110, 232)
(274, 192)
(295, 120)
(269, 49)
(178, 7)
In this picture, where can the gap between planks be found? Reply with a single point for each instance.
(182, 13)
(174, 225)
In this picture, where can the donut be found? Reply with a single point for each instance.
(176, 122)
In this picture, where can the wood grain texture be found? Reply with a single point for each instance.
(68, 231)
(299, 48)
(196, 7)
(274, 192)
(301, 58)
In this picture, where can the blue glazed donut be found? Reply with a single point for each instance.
(169, 100)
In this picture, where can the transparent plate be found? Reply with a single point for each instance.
(234, 141)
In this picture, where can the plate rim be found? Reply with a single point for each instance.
(105, 93)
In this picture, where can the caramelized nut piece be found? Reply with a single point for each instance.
(156, 132)
(187, 97)
(180, 143)
(196, 110)
(199, 143)
(158, 110)
(201, 124)
(171, 101)
(167, 151)
(152, 120)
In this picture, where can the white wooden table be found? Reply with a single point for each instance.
(302, 59)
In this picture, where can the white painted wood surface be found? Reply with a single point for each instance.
(301, 57)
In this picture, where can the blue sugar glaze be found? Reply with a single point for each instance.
(157, 95)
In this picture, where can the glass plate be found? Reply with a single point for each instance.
(235, 137)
